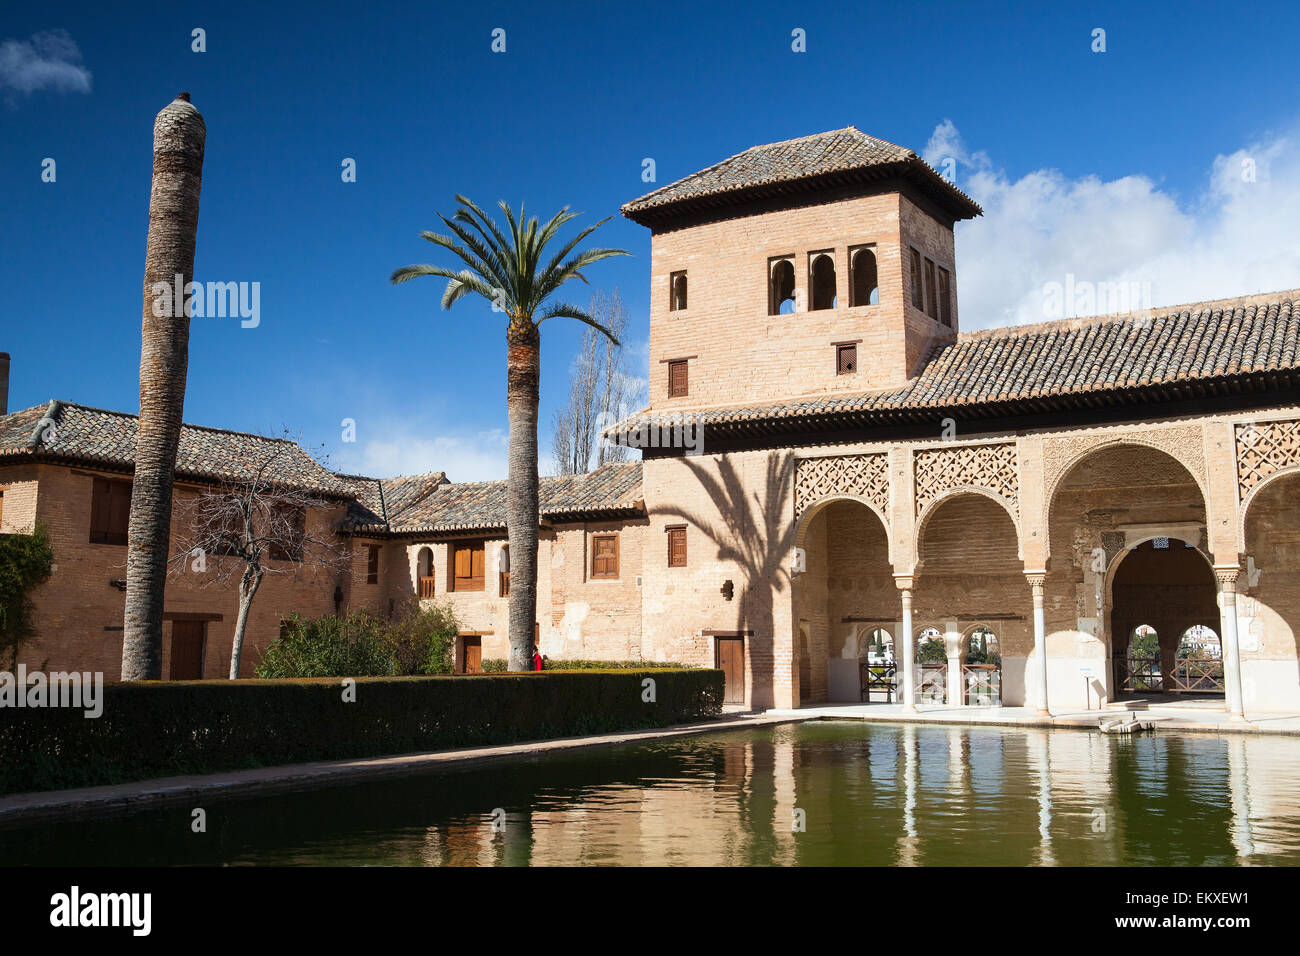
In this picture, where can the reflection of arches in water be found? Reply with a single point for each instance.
(932, 666)
(981, 668)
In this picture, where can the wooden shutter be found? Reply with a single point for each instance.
(604, 556)
(467, 573)
(678, 382)
(110, 511)
(476, 556)
(945, 297)
(846, 359)
(677, 547)
(99, 508)
(372, 565)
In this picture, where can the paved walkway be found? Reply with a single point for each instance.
(26, 808)
(1178, 716)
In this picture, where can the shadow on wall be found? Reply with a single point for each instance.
(757, 538)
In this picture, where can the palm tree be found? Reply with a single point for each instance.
(178, 138)
(507, 269)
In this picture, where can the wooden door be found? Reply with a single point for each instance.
(731, 660)
(472, 655)
(187, 650)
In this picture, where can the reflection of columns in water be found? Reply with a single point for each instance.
(434, 851)
(1243, 837)
(785, 798)
(1037, 744)
(958, 760)
(512, 845)
(908, 840)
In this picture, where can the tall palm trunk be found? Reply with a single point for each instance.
(178, 139)
(523, 373)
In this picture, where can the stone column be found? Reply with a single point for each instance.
(1036, 580)
(1227, 576)
(956, 685)
(906, 651)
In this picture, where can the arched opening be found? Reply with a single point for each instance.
(424, 573)
(1270, 602)
(678, 287)
(1110, 501)
(781, 288)
(932, 666)
(845, 601)
(981, 668)
(822, 281)
(864, 287)
(1198, 662)
(1161, 589)
(971, 574)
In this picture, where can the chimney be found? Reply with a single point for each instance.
(4, 383)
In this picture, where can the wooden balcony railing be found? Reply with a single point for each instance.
(983, 685)
(426, 588)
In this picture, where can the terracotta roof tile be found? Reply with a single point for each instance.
(767, 168)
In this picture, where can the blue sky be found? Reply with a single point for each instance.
(1122, 165)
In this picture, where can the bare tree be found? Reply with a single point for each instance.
(599, 389)
(252, 529)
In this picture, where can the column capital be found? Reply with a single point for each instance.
(1036, 579)
(905, 582)
(1227, 575)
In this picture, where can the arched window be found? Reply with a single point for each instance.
(932, 672)
(424, 572)
(981, 669)
(822, 280)
(678, 289)
(781, 288)
(865, 289)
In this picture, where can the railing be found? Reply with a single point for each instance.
(426, 588)
(879, 677)
(933, 688)
(1140, 675)
(1197, 676)
(983, 684)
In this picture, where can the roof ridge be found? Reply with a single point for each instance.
(1073, 323)
(184, 424)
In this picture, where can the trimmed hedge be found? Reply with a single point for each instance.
(160, 729)
(498, 665)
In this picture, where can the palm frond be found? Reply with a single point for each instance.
(567, 311)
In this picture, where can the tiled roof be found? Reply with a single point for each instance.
(825, 159)
(1202, 350)
(610, 491)
(65, 431)
(387, 501)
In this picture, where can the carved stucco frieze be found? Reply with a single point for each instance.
(862, 476)
(1263, 449)
(992, 467)
(1185, 443)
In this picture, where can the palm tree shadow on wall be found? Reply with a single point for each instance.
(757, 537)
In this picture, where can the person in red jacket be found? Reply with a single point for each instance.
(537, 658)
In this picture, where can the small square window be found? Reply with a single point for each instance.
(846, 359)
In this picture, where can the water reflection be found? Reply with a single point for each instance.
(867, 794)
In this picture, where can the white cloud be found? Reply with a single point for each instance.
(478, 456)
(49, 60)
(1236, 237)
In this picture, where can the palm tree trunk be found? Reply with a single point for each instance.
(523, 373)
(248, 586)
(178, 140)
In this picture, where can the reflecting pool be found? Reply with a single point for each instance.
(797, 794)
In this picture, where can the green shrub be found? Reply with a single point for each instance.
(581, 665)
(353, 645)
(26, 561)
(423, 640)
(495, 665)
(150, 729)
